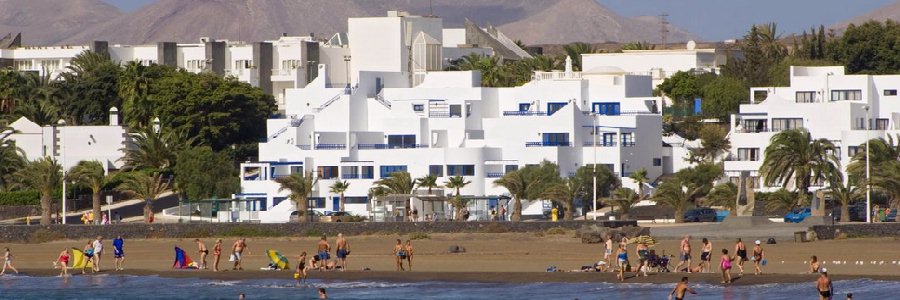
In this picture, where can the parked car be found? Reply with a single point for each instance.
(315, 215)
(337, 216)
(797, 215)
(857, 212)
(701, 214)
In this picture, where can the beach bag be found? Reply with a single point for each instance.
(232, 257)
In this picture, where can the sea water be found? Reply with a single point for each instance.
(153, 287)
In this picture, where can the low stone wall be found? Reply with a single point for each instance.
(827, 232)
(21, 233)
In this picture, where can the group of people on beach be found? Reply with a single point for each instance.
(237, 251)
(322, 259)
(92, 255)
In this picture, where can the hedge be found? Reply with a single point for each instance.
(23, 197)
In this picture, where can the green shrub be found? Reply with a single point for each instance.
(556, 231)
(419, 236)
(23, 197)
(44, 235)
(248, 231)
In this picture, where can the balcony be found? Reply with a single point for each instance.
(555, 75)
(547, 144)
(602, 144)
(494, 174)
(525, 113)
(389, 146)
(751, 129)
(331, 146)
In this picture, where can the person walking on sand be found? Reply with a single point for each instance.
(824, 286)
(622, 259)
(217, 254)
(119, 253)
(89, 253)
(201, 249)
(7, 262)
(98, 252)
(758, 257)
(681, 289)
(607, 253)
(409, 255)
(685, 254)
(322, 250)
(725, 265)
(740, 251)
(706, 256)
(643, 251)
(62, 262)
(400, 253)
(342, 250)
(237, 251)
(300, 273)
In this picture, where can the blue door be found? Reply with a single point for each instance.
(336, 203)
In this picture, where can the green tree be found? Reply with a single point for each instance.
(713, 142)
(528, 183)
(884, 164)
(868, 48)
(794, 156)
(299, 187)
(134, 90)
(564, 192)
(399, 183)
(624, 199)
(340, 187)
(12, 158)
(90, 174)
(43, 175)
(724, 195)
(456, 183)
(722, 97)
(640, 178)
(780, 201)
(91, 82)
(428, 181)
(761, 50)
(152, 149)
(201, 173)
(845, 194)
(575, 50)
(145, 186)
(639, 46)
(606, 180)
(682, 87)
(686, 186)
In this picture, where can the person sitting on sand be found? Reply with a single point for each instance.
(62, 263)
(824, 286)
(813, 265)
(300, 273)
(400, 254)
(725, 265)
(681, 289)
(314, 263)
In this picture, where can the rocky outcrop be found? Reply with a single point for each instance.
(593, 234)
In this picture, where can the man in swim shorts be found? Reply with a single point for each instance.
(322, 249)
(342, 250)
(237, 249)
(681, 289)
(685, 254)
(400, 254)
(824, 286)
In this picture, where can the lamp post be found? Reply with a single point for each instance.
(62, 154)
(594, 167)
(868, 172)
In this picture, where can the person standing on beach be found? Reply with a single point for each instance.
(622, 259)
(322, 249)
(342, 250)
(685, 254)
(237, 250)
(217, 254)
(681, 289)
(300, 274)
(607, 254)
(201, 249)
(62, 262)
(758, 257)
(400, 253)
(725, 265)
(741, 254)
(119, 253)
(824, 286)
(409, 254)
(89, 253)
(642, 251)
(7, 262)
(98, 252)
(706, 256)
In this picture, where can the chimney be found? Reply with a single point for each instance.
(113, 116)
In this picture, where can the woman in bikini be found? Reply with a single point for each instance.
(741, 252)
(725, 265)
(89, 253)
(409, 254)
(758, 257)
(300, 273)
(622, 258)
(217, 254)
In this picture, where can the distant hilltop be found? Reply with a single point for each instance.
(53, 22)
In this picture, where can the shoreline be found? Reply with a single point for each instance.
(474, 277)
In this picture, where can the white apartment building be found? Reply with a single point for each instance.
(427, 121)
(825, 101)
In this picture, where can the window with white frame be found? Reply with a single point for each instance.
(290, 64)
(748, 154)
(243, 64)
(842, 95)
(782, 124)
(23, 65)
(195, 64)
(806, 97)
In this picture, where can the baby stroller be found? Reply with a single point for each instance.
(659, 263)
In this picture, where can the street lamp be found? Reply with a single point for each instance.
(868, 172)
(594, 167)
(62, 153)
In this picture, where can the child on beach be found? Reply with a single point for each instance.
(62, 263)
(7, 262)
(726, 266)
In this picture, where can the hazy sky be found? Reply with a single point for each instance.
(717, 19)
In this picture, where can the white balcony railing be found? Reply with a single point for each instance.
(555, 75)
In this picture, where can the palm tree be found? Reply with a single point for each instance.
(884, 160)
(713, 141)
(673, 192)
(638, 46)
(793, 156)
(780, 201)
(147, 187)
(399, 183)
(575, 50)
(12, 158)
(457, 182)
(43, 175)
(91, 175)
(339, 187)
(686, 187)
(428, 181)
(134, 88)
(564, 193)
(517, 184)
(844, 194)
(152, 149)
(299, 186)
(624, 199)
(724, 195)
(640, 177)
(528, 183)
(378, 191)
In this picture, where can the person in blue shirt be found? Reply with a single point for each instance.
(118, 243)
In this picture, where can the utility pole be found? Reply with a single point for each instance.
(664, 29)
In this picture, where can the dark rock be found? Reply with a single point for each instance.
(593, 234)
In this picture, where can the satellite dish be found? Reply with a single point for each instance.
(691, 45)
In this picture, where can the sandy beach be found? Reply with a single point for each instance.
(504, 257)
